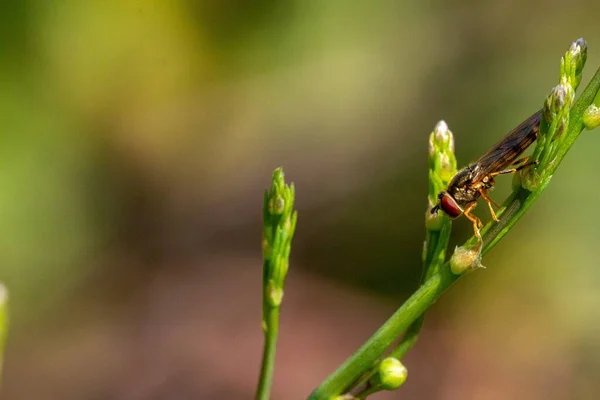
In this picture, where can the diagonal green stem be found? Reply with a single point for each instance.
(369, 352)
(516, 205)
(437, 244)
(433, 263)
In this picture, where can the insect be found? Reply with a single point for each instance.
(474, 181)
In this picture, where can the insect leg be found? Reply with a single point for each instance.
(476, 221)
(513, 170)
(520, 161)
(489, 202)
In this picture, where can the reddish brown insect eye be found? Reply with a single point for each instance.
(449, 206)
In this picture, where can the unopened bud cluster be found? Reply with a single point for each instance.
(572, 63)
(279, 223)
(556, 111)
(442, 162)
(442, 167)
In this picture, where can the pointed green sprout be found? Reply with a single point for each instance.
(551, 138)
(556, 112)
(279, 223)
(562, 123)
(442, 168)
(572, 63)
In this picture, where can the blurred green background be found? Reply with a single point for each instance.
(137, 138)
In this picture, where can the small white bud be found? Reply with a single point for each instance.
(442, 134)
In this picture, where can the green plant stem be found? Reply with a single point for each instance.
(433, 262)
(369, 391)
(437, 244)
(369, 352)
(279, 224)
(365, 357)
(265, 380)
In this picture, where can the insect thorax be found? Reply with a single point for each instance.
(464, 189)
(464, 194)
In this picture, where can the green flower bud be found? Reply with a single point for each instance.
(591, 117)
(561, 95)
(433, 222)
(465, 259)
(442, 162)
(556, 111)
(279, 224)
(572, 63)
(391, 374)
(579, 51)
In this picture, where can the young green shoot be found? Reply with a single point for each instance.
(279, 223)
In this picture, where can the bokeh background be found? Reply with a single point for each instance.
(137, 138)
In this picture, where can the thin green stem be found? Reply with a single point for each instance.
(438, 283)
(367, 392)
(433, 263)
(279, 223)
(437, 244)
(268, 359)
(374, 347)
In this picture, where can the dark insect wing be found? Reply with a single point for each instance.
(505, 152)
